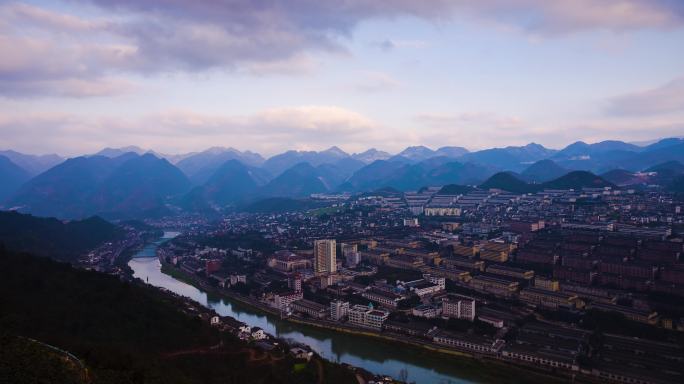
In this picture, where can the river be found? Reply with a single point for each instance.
(373, 355)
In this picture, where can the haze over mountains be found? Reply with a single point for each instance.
(133, 182)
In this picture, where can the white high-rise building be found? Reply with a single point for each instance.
(325, 256)
(339, 309)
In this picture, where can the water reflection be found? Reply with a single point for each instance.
(373, 355)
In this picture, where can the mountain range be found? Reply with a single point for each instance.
(127, 185)
(133, 182)
(32, 164)
(12, 176)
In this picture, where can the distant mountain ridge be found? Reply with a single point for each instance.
(33, 164)
(279, 163)
(128, 185)
(199, 167)
(542, 171)
(371, 155)
(11, 177)
(300, 180)
(217, 178)
(510, 158)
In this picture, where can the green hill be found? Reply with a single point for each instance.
(542, 171)
(669, 166)
(299, 181)
(454, 189)
(53, 238)
(126, 333)
(125, 187)
(508, 182)
(27, 361)
(578, 180)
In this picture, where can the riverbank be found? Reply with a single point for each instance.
(474, 367)
(325, 367)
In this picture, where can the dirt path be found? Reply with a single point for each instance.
(320, 372)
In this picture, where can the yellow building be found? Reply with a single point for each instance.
(325, 256)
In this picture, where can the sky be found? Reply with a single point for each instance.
(178, 76)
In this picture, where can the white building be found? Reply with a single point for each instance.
(429, 285)
(426, 310)
(442, 211)
(282, 301)
(459, 307)
(366, 316)
(234, 279)
(258, 334)
(439, 281)
(339, 309)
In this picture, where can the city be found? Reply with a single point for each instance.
(341, 192)
(559, 280)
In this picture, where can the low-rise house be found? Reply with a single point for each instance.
(282, 301)
(468, 342)
(411, 328)
(535, 356)
(459, 307)
(639, 315)
(258, 334)
(494, 285)
(386, 299)
(504, 270)
(367, 316)
(426, 310)
(300, 353)
(549, 299)
(310, 308)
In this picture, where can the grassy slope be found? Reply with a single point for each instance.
(129, 333)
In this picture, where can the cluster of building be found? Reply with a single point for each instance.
(469, 271)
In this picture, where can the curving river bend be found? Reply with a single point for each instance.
(373, 355)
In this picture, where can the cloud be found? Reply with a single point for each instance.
(274, 130)
(34, 16)
(479, 130)
(50, 54)
(296, 65)
(668, 98)
(388, 45)
(471, 129)
(385, 45)
(118, 37)
(376, 82)
(268, 131)
(562, 17)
